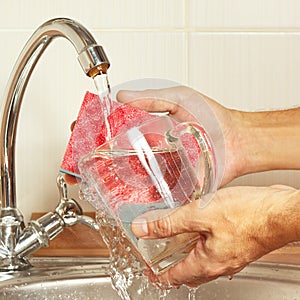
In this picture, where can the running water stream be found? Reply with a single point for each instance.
(126, 265)
(103, 89)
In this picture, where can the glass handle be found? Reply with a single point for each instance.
(205, 146)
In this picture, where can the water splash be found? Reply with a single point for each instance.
(192, 293)
(126, 265)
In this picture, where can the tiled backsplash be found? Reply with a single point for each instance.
(245, 54)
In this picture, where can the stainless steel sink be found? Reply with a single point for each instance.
(84, 278)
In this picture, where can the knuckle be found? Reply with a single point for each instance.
(163, 227)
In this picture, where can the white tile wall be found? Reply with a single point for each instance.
(220, 15)
(139, 54)
(245, 54)
(247, 71)
(103, 14)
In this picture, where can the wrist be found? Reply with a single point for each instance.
(285, 214)
(295, 210)
(277, 223)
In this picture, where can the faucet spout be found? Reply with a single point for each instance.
(93, 61)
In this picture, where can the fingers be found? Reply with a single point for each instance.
(71, 180)
(175, 101)
(282, 187)
(192, 271)
(72, 125)
(199, 267)
(171, 94)
(168, 222)
(149, 100)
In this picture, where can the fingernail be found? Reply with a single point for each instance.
(139, 227)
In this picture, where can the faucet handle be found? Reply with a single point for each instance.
(62, 187)
(69, 210)
(41, 231)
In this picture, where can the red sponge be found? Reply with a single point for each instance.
(89, 131)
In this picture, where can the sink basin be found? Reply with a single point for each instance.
(86, 278)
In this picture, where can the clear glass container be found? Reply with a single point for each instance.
(151, 168)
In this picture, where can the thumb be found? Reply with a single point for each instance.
(168, 222)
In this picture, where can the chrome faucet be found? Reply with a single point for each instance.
(16, 240)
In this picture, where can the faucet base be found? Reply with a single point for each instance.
(11, 226)
(14, 264)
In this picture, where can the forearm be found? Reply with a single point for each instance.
(269, 140)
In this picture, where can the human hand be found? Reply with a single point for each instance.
(249, 142)
(240, 225)
(187, 105)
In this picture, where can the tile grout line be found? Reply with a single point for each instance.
(185, 29)
(187, 42)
